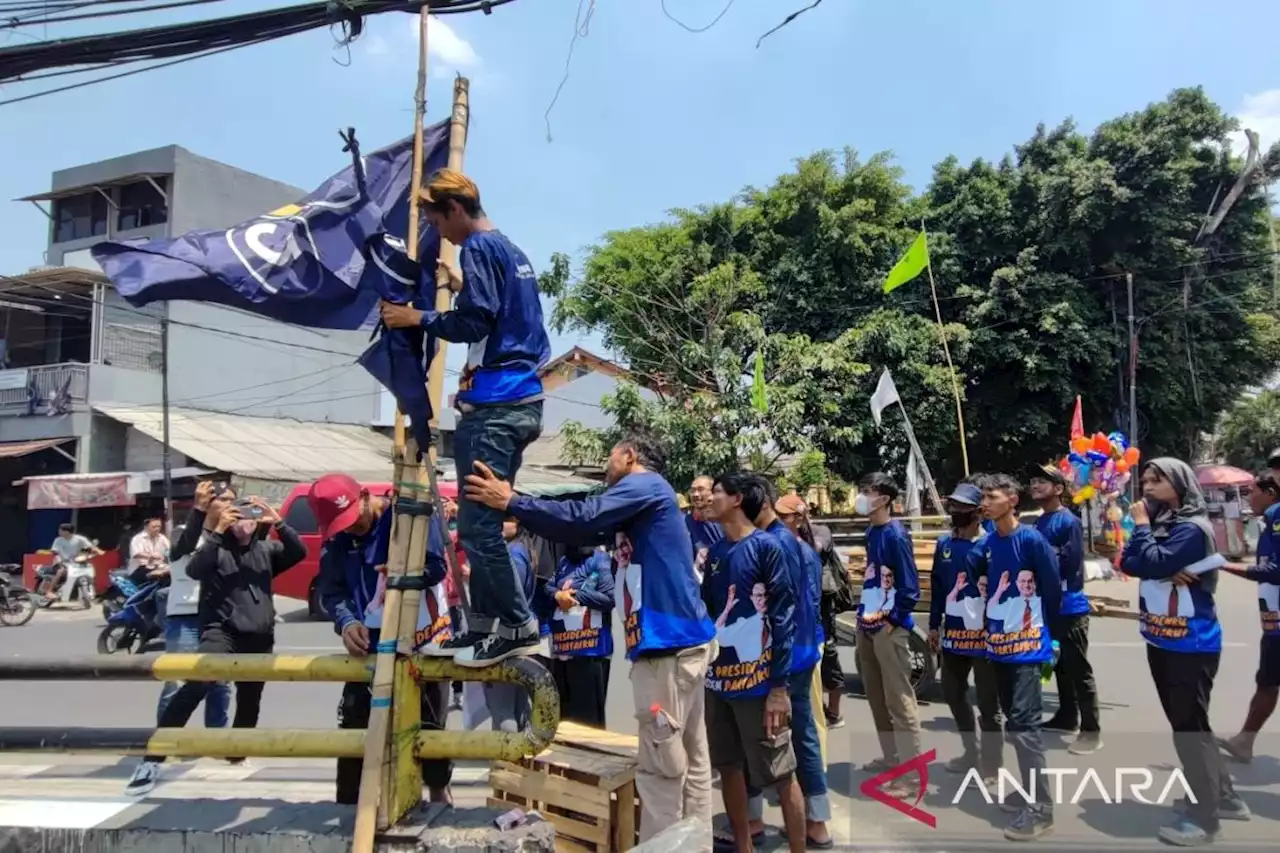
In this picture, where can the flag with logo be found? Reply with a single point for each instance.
(324, 261)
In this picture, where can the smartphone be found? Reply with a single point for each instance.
(247, 509)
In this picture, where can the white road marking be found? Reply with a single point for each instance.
(21, 771)
(81, 813)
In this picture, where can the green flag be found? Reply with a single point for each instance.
(909, 265)
(759, 399)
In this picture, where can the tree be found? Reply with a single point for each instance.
(1251, 431)
(1029, 255)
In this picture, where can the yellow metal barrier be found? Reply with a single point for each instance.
(409, 744)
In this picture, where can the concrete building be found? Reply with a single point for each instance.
(80, 369)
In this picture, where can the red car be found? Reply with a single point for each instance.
(300, 581)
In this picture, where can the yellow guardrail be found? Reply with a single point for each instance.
(408, 744)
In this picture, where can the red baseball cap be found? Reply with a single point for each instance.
(335, 502)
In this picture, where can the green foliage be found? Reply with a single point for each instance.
(1250, 431)
(1027, 253)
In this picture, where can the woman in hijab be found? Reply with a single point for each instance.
(1172, 551)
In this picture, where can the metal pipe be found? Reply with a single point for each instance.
(189, 667)
(214, 743)
(544, 716)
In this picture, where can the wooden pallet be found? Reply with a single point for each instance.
(584, 783)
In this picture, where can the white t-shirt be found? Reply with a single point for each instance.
(68, 549)
(184, 591)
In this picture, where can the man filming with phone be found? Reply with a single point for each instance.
(234, 566)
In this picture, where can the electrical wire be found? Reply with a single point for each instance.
(701, 29)
(166, 44)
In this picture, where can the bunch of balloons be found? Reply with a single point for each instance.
(1099, 465)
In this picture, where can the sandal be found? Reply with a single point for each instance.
(876, 765)
(723, 840)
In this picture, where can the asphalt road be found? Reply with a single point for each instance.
(1135, 732)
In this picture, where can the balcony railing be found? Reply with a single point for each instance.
(45, 390)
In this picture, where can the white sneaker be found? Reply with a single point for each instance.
(144, 779)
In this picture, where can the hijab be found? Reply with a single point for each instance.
(1192, 508)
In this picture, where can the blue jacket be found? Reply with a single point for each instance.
(1066, 535)
(657, 591)
(1185, 619)
(889, 550)
(703, 534)
(348, 578)
(756, 629)
(808, 594)
(1019, 615)
(591, 579)
(498, 313)
(1267, 571)
(959, 619)
(527, 577)
(813, 575)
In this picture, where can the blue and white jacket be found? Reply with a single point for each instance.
(656, 590)
(498, 313)
(891, 587)
(587, 629)
(1174, 618)
(351, 586)
(748, 586)
(1024, 592)
(956, 610)
(1267, 571)
(806, 648)
(1066, 535)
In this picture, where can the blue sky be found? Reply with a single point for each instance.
(652, 116)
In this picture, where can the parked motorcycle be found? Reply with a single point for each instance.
(78, 584)
(135, 625)
(16, 603)
(116, 594)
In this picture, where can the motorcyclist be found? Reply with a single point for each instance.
(67, 549)
(149, 553)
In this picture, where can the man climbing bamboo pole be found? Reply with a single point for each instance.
(498, 314)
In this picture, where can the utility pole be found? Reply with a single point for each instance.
(166, 461)
(1133, 379)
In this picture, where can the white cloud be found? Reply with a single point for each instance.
(1259, 112)
(446, 47)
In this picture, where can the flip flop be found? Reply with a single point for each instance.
(723, 840)
(810, 844)
(876, 765)
(1226, 746)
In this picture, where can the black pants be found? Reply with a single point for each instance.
(955, 689)
(1184, 682)
(583, 684)
(1077, 692)
(353, 713)
(217, 641)
(831, 673)
(1018, 685)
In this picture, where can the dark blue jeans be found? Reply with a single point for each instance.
(496, 436)
(1018, 685)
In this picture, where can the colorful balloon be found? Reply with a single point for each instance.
(1132, 455)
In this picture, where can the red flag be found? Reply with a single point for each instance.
(1077, 421)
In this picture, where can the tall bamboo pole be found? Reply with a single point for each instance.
(946, 350)
(405, 530)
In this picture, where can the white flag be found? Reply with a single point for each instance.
(885, 396)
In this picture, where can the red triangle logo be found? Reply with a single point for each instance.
(920, 766)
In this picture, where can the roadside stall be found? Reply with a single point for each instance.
(1226, 489)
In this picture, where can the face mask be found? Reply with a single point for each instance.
(963, 519)
(862, 505)
(244, 531)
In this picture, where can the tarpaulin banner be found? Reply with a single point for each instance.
(80, 492)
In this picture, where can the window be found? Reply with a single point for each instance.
(299, 517)
(141, 205)
(80, 216)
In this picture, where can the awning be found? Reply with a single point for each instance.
(88, 491)
(274, 449)
(10, 449)
(1222, 475)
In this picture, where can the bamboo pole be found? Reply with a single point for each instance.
(946, 350)
(372, 807)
